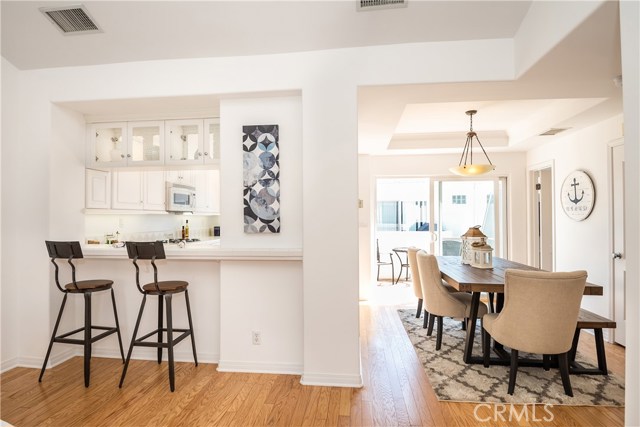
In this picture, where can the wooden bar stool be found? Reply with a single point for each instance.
(165, 291)
(70, 251)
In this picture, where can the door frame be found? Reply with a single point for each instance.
(531, 210)
(610, 337)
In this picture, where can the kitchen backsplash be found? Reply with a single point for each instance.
(147, 227)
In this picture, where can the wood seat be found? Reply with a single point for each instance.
(89, 285)
(168, 286)
(589, 320)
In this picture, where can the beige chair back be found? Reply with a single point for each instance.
(415, 275)
(540, 310)
(437, 300)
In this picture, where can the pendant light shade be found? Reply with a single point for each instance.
(466, 167)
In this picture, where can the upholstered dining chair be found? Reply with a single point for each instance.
(380, 262)
(539, 316)
(439, 301)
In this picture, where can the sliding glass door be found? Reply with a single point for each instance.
(463, 203)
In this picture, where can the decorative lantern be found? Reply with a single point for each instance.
(473, 235)
(482, 255)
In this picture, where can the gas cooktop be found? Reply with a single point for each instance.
(180, 240)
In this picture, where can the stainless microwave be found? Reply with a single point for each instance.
(180, 197)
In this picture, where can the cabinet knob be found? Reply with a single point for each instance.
(206, 153)
(197, 154)
(129, 155)
(122, 156)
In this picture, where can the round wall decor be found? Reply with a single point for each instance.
(577, 195)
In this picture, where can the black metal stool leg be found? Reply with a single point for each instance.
(160, 329)
(53, 336)
(87, 338)
(115, 315)
(193, 338)
(133, 340)
(172, 380)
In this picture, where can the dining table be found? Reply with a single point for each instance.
(465, 278)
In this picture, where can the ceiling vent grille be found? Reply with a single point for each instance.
(380, 4)
(71, 19)
(553, 131)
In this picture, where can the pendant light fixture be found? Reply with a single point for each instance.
(466, 167)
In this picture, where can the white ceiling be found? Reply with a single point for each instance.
(570, 87)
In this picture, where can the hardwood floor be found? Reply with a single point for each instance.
(396, 392)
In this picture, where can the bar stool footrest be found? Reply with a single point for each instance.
(63, 338)
(140, 341)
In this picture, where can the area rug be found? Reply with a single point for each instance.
(454, 380)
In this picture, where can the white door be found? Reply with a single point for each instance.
(618, 255)
(543, 219)
(154, 190)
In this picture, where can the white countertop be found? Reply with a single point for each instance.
(206, 250)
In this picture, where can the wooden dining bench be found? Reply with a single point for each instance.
(589, 320)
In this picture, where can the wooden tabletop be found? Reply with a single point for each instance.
(465, 278)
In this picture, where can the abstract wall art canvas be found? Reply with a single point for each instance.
(261, 167)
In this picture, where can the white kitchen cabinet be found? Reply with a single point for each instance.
(207, 183)
(97, 189)
(185, 141)
(138, 190)
(211, 149)
(181, 176)
(127, 189)
(107, 144)
(145, 143)
(153, 196)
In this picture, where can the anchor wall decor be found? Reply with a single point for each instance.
(577, 196)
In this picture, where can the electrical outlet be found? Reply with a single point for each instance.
(256, 338)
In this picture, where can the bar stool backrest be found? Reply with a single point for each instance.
(148, 251)
(68, 251)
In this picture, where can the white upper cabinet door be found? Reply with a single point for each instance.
(127, 189)
(184, 140)
(97, 189)
(154, 191)
(146, 143)
(107, 144)
(211, 149)
(207, 183)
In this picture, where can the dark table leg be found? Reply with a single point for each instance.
(471, 326)
(400, 261)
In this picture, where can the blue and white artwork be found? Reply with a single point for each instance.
(261, 167)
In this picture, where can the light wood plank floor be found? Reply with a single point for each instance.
(396, 392)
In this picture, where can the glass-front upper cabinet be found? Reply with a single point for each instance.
(211, 148)
(184, 141)
(146, 143)
(194, 141)
(108, 146)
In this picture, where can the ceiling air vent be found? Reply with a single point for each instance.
(71, 19)
(380, 4)
(553, 131)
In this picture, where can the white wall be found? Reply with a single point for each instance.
(26, 134)
(261, 296)
(584, 245)
(630, 46)
(511, 165)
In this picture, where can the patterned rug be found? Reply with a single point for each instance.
(454, 380)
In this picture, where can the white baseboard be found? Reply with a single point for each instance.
(332, 380)
(138, 354)
(260, 367)
(36, 362)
